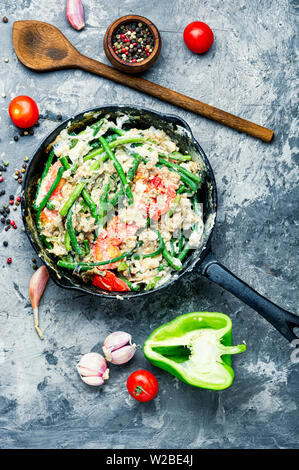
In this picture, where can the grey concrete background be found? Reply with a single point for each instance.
(250, 71)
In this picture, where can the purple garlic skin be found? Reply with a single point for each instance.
(93, 369)
(118, 347)
(75, 14)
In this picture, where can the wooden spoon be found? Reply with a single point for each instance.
(42, 47)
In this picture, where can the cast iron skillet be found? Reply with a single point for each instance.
(201, 259)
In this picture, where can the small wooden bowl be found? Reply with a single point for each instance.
(122, 64)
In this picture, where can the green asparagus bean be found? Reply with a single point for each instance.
(180, 169)
(133, 287)
(44, 174)
(73, 143)
(64, 162)
(67, 241)
(114, 144)
(180, 157)
(119, 169)
(75, 194)
(52, 189)
(171, 260)
(86, 247)
(130, 176)
(91, 204)
(152, 283)
(70, 229)
(50, 206)
(88, 266)
(103, 205)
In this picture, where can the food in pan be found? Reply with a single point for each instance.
(118, 206)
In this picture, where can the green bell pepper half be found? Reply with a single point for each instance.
(196, 348)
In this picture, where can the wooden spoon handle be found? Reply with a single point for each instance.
(177, 99)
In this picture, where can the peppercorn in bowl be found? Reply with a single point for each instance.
(119, 201)
(132, 44)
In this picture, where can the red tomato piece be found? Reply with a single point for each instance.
(198, 37)
(23, 111)
(142, 385)
(110, 282)
(47, 216)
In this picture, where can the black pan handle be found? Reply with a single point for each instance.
(282, 320)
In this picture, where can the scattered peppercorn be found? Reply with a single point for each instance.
(31, 131)
(26, 159)
(11, 202)
(33, 260)
(2, 192)
(59, 117)
(20, 180)
(16, 138)
(6, 163)
(37, 124)
(17, 172)
(24, 166)
(1, 179)
(9, 260)
(5, 243)
(5, 19)
(25, 132)
(6, 59)
(11, 222)
(3, 220)
(7, 209)
(7, 228)
(34, 266)
(15, 227)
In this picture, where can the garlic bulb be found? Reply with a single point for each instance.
(93, 369)
(118, 347)
(37, 286)
(75, 14)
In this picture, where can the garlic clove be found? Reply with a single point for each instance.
(123, 355)
(75, 14)
(93, 369)
(118, 347)
(37, 286)
(95, 381)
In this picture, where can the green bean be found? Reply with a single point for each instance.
(154, 253)
(152, 283)
(65, 163)
(176, 202)
(97, 126)
(44, 174)
(111, 138)
(67, 241)
(50, 206)
(74, 168)
(91, 204)
(73, 143)
(182, 189)
(75, 194)
(179, 156)
(51, 190)
(181, 241)
(196, 205)
(45, 242)
(119, 169)
(130, 176)
(103, 205)
(180, 169)
(184, 174)
(171, 260)
(122, 266)
(88, 266)
(112, 145)
(70, 229)
(118, 131)
(86, 247)
(130, 284)
(184, 252)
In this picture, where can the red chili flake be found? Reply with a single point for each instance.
(15, 227)
(1, 179)
(19, 198)
(9, 260)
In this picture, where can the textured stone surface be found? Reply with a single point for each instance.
(249, 71)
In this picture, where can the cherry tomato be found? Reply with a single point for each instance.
(142, 385)
(23, 111)
(198, 37)
(110, 282)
